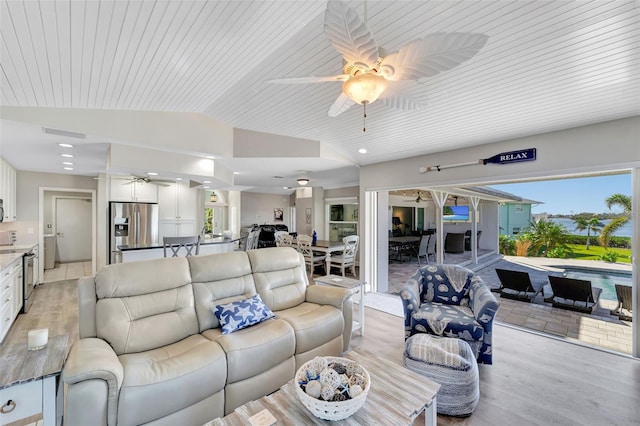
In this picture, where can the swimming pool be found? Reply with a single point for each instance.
(605, 280)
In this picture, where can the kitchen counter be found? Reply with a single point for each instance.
(204, 242)
(207, 246)
(15, 252)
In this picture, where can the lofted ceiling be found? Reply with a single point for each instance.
(547, 65)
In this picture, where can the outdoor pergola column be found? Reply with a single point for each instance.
(439, 198)
(474, 202)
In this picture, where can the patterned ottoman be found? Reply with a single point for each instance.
(451, 363)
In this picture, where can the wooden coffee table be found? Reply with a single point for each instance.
(396, 397)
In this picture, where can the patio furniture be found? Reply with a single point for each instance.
(467, 240)
(454, 243)
(573, 294)
(623, 292)
(450, 363)
(191, 245)
(450, 300)
(517, 285)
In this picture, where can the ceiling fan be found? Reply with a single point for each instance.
(367, 76)
(144, 179)
(419, 199)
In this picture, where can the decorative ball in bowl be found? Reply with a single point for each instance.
(332, 388)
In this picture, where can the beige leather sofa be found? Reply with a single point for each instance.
(151, 351)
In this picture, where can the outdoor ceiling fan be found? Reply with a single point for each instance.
(419, 199)
(366, 76)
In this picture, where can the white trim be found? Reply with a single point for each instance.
(371, 240)
(94, 229)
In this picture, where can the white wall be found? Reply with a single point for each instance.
(258, 208)
(28, 192)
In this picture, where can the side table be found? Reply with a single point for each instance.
(31, 381)
(355, 286)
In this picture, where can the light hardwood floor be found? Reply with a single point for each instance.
(535, 380)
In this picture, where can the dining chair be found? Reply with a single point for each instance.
(252, 240)
(348, 257)
(176, 244)
(311, 258)
(283, 239)
(422, 250)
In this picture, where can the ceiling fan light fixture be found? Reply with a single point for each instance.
(303, 181)
(364, 88)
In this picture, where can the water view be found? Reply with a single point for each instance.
(624, 231)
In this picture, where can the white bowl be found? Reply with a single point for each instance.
(332, 410)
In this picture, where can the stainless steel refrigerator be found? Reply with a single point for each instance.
(132, 225)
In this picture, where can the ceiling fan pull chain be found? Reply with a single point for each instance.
(364, 118)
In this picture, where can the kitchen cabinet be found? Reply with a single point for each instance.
(177, 210)
(10, 295)
(141, 192)
(8, 190)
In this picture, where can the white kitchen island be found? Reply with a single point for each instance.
(207, 246)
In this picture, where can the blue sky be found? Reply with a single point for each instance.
(567, 196)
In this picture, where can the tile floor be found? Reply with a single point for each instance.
(67, 271)
(597, 329)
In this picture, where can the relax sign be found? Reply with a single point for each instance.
(512, 157)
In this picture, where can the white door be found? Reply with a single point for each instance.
(73, 229)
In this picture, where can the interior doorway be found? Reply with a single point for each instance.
(67, 215)
(72, 229)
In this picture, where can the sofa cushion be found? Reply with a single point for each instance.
(217, 279)
(242, 314)
(255, 349)
(146, 321)
(447, 284)
(167, 379)
(446, 320)
(280, 275)
(314, 325)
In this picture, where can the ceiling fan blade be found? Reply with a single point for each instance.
(340, 105)
(402, 103)
(349, 34)
(310, 79)
(432, 55)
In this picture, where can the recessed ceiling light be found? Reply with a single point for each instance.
(66, 155)
(206, 181)
(68, 168)
(205, 187)
(65, 145)
(152, 173)
(286, 187)
(67, 163)
(236, 173)
(210, 157)
(362, 151)
(178, 178)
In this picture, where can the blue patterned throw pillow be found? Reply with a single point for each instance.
(242, 313)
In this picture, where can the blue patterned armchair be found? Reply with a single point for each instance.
(451, 301)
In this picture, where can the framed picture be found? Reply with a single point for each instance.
(308, 216)
(278, 215)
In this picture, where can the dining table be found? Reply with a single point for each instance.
(326, 247)
(402, 244)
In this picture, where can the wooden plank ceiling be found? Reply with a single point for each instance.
(548, 65)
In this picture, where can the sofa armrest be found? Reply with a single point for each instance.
(341, 299)
(323, 295)
(93, 359)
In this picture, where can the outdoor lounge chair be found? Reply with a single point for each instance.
(623, 292)
(573, 294)
(517, 285)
